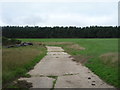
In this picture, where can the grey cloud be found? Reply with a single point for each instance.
(33, 19)
(119, 13)
(79, 14)
(25, 20)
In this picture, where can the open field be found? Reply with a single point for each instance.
(17, 61)
(100, 55)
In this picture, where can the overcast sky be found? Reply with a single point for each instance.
(59, 13)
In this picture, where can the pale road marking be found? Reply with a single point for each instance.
(69, 74)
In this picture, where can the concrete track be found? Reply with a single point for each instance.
(58, 70)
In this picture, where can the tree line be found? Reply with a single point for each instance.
(60, 32)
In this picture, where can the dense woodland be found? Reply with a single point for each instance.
(60, 32)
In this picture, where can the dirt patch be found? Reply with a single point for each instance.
(110, 58)
(81, 59)
(18, 84)
(76, 46)
(23, 84)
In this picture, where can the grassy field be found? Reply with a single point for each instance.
(99, 55)
(17, 61)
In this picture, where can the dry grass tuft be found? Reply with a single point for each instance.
(81, 59)
(76, 46)
(38, 43)
(15, 57)
(58, 43)
(110, 58)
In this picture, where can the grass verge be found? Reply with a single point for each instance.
(18, 61)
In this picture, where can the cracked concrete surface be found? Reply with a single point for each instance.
(70, 74)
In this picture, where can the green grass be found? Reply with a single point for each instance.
(26, 75)
(54, 82)
(18, 61)
(106, 68)
(54, 77)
